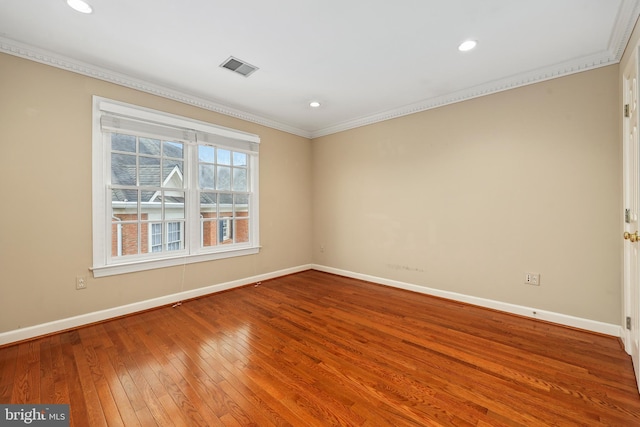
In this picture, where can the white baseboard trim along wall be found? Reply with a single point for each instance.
(102, 315)
(534, 313)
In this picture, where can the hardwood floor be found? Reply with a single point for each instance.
(313, 349)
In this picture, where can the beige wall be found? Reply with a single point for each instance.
(468, 197)
(463, 198)
(45, 171)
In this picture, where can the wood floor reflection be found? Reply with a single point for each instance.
(314, 349)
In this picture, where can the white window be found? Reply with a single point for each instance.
(169, 190)
(173, 237)
(156, 237)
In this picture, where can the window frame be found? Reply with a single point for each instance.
(103, 262)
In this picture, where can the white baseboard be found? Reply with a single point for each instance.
(102, 315)
(534, 313)
(98, 316)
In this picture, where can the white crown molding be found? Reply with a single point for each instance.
(625, 22)
(627, 16)
(626, 19)
(42, 56)
(537, 76)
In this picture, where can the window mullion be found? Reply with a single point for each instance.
(252, 177)
(192, 208)
(106, 191)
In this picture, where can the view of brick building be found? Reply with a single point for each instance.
(148, 204)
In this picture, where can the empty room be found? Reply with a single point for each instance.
(299, 213)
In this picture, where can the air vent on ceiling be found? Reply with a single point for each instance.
(239, 66)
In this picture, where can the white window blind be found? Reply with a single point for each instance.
(118, 118)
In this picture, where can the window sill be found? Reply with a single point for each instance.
(132, 267)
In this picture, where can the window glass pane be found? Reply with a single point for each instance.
(208, 205)
(239, 179)
(241, 205)
(206, 154)
(149, 196)
(156, 237)
(241, 230)
(224, 157)
(173, 173)
(225, 205)
(121, 142)
(124, 204)
(116, 239)
(124, 229)
(239, 159)
(151, 206)
(173, 149)
(224, 178)
(126, 237)
(174, 236)
(209, 235)
(173, 204)
(206, 177)
(123, 169)
(208, 215)
(225, 231)
(149, 146)
(149, 171)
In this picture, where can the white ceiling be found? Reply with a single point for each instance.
(364, 60)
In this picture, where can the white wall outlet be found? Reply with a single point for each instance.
(81, 282)
(532, 279)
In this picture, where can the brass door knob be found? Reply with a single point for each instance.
(631, 237)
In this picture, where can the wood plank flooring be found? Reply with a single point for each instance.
(314, 349)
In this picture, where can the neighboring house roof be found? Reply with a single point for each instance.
(170, 174)
(123, 168)
(149, 175)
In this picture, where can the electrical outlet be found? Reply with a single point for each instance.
(532, 279)
(81, 282)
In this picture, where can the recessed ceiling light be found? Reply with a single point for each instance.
(80, 6)
(314, 104)
(467, 45)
